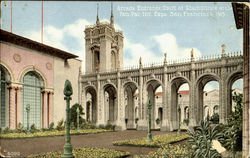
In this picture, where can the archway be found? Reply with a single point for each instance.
(31, 95)
(207, 95)
(91, 104)
(154, 92)
(179, 98)
(110, 103)
(235, 85)
(131, 92)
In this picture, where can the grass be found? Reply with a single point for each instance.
(86, 153)
(51, 133)
(158, 141)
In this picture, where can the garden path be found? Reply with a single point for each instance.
(24, 147)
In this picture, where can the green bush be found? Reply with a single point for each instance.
(20, 128)
(233, 131)
(186, 121)
(51, 126)
(136, 120)
(157, 121)
(215, 118)
(73, 114)
(201, 140)
(33, 128)
(7, 130)
(87, 125)
(60, 125)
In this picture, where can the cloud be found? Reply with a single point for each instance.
(55, 37)
(167, 44)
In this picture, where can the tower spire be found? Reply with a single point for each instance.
(112, 16)
(97, 15)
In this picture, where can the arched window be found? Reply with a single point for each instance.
(3, 98)
(31, 95)
(216, 109)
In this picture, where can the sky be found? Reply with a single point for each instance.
(150, 29)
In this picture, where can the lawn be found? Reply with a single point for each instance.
(86, 152)
(51, 133)
(158, 141)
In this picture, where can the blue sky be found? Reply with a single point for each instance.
(181, 27)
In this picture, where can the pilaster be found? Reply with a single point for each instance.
(19, 106)
(12, 107)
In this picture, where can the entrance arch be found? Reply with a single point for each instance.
(200, 93)
(177, 98)
(130, 90)
(91, 104)
(153, 86)
(110, 103)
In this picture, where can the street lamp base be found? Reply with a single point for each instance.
(67, 153)
(149, 137)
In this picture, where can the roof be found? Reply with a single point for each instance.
(184, 92)
(238, 14)
(28, 43)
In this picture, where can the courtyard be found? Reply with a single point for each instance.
(25, 147)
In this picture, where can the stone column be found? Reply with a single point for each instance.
(193, 103)
(142, 120)
(165, 106)
(19, 106)
(12, 109)
(223, 92)
(50, 106)
(45, 108)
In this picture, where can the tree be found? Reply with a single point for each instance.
(73, 114)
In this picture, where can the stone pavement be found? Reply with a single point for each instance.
(24, 147)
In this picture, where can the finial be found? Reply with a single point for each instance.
(223, 49)
(140, 61)
(112, 16)
(97, 15)
(192, 53)
(165, 57)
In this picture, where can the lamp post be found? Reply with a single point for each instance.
(77, 119)
(179, 120)
(149, 136)
(28, 117)
(67, 153)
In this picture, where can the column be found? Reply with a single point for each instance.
(50, 106)
(19, 106)
(12, 109)
(165, 106)
(45, 108)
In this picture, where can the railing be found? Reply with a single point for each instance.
(179, 63)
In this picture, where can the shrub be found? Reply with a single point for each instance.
(157, 121)
(33, 128)
(7, 130)
(136, 120)
(201, 140)
(73, 114)
(60, 125)
(186, 121)
(1, 130)
(215, 118)
(20, 128)
(51, 126)
(87, 125)
(110, 126)
(233, 131)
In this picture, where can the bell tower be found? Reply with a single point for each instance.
(103, 46)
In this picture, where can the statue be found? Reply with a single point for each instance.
(140, 61)
(165, 57)
(223, 49)
(192, 53)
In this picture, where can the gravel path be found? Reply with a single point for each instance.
(24, 147)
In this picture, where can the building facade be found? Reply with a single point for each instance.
(34, 74)
(241, 15)
(108, 91)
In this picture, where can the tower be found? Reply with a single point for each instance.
(103, 46)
